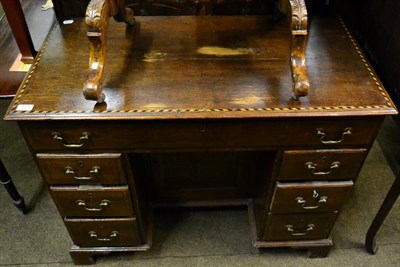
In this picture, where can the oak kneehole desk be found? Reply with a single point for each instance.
(199, 113)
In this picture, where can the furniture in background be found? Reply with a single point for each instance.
(384, 210)
(376, 26)
(5, 179)
(188, 125)
(39, 24)
(16, 20)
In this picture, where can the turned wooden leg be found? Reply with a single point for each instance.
(299, 33)
(319, 252)
(5, 179)
(387, 204)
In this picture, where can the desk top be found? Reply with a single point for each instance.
(201, 67)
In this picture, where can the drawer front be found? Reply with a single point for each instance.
(104, 232)
(335, 164)
(93, 202)
(82, 169)
(298, 226)
(161, 134)
(310, 197)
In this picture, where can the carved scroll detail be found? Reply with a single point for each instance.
(299, 33)
(97, 14)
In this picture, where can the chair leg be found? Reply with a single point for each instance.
(384, 210)
(17, 22)
(5, 179)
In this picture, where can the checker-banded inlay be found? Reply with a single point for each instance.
(372, 74)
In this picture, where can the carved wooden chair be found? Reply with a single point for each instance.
(98, 12)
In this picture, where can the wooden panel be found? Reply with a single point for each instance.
(256, 134)
(208, 176)
(82, 169)
(299, 226)
(109, 232)
(321, 164)
(93, 201)
(310, 197)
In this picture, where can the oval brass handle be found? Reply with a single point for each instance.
(104, 203)
(302, 201)
(292, 231)
(95, 170)
(82, 140)
(321, 132)
(112, 236)
(313, 166)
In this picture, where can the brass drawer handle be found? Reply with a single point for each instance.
(112, 236)
(313, 166)
(104, 203)
(292, 231)
(95, 170)
(321, 132)
(320, 201)
(82, 140)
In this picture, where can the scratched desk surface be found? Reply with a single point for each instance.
(201, 67)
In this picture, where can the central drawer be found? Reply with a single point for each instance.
(93, 201)
(160, 134)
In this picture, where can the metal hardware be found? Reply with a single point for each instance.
(104, 203)
(95, 170)
(309, 228)
(321, 132)
(112, 236)
(302, 201)
(313, 166)
(82, 140)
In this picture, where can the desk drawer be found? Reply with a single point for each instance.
(93, 201)
(332, 164)
(104, 232)
(299, 226)
(163, 134)
(310, 197)
(82, 169)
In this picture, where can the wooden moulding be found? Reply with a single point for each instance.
(98, 12)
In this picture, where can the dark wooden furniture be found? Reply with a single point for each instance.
(16, 20)
(200, 114)
(384, 210)
(5, 179)
(376, 26)
(39, 24)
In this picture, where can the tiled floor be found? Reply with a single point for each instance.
(196, 237)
